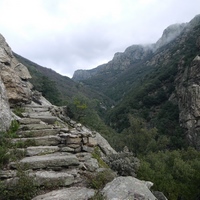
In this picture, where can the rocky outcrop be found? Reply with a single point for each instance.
(14, 75)
(5, 51)
(188, 94)
(128, 188)
(5, 113)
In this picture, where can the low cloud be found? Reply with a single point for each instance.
(70, 35)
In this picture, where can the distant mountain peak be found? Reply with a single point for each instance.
(169, 34)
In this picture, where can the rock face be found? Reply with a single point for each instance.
(14, 75)
(5, 51)
(188, 93)
(5, 114)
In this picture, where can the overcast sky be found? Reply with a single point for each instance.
(66, 35)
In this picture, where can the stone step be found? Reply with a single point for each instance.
(26, 121)
(51, 140)
(36, 108)
(41, 150)
(38, 133)
(49, 119)
(50, 161)
(52, 178)
(34, 127)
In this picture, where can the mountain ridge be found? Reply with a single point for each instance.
(137, 52)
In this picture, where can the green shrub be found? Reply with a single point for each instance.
(175, 173)
(18, 111)
(4, 156)
(24, 189)
(100, 179)
(97, 155)
(26, 143)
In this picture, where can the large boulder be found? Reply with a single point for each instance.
(5, 114)
(18, 90)
(128, 188)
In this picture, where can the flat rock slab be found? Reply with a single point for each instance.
(72, 193)
(34, 127)
(45, 118)
(41, 150)
(38, 133)
(50, 140)
(29, 121)
(127, 188)
(53, 178)
(49, 161)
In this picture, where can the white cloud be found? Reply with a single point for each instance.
(66, 35)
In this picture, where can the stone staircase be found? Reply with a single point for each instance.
(56, 152)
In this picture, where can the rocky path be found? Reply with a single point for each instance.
(58, 154)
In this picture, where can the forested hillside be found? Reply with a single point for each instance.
(146, 98)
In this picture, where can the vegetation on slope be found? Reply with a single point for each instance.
(146, 117)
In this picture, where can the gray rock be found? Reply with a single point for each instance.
(37, 133)
(91, 164)
(5, 113)
(67, 149)
(28, 121)
(22, 71)
(188, 96)
(5, 51)
(127, 188)
(87, 149)
(47, 119)
(41, 150)
(40, 141)
(73, 193)
(53, 178)
(34, 127)
(49, 161)
(18, 91)
(104, 145)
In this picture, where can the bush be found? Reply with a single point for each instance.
(100, 179)
(124, 163)
(175, 173)
(25, 188)
(18, 111)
